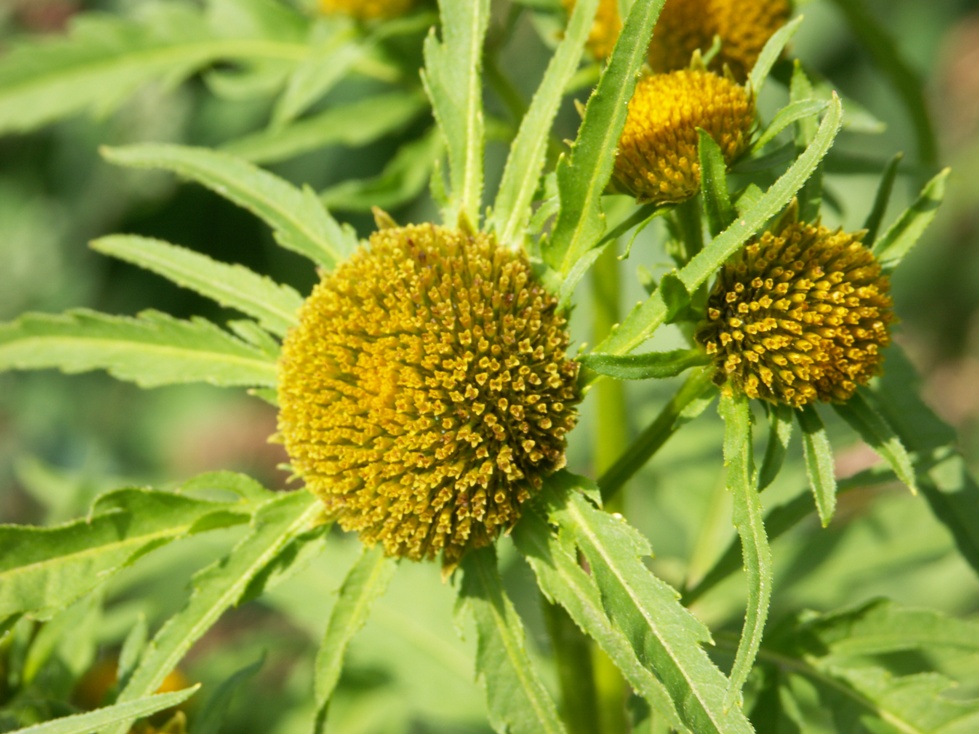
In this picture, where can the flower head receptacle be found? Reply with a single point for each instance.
(800, 315)
(366, 9)
(657, 159)
(743, 27)
(426, 393)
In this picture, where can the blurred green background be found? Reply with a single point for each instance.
(64, 439)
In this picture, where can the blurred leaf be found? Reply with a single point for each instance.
(747, 516)
(452, 79)
(779, 434)
(274, 305)
(583, 174)
(517, 701)
(151, 349)
(298, 220)
(713, 179)
(791, 113)
(132, 648)
(881, 200)
(404, 177)
(818, 455)
(662, 633)
(862, 415)
(645, 318)
(651, 365)
(46, 569)
(528, 152)
(770, 53)
(210, 717)
(367, 580)
(219, 587)
(904, 234)
(352, 124)
(95, 721)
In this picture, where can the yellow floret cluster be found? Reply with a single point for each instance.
(366, 9)
(426, 392)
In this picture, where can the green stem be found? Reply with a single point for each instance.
(572, 653)
(612, 433)
(655, 435)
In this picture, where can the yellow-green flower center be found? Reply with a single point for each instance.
(657, 159)
(425, 392)
(800, 315)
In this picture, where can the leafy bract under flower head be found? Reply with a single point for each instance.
(657, 158)
(743, 26)
(425, 392)
(800, 315)
(366, 9)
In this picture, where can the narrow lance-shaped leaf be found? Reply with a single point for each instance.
(273, 305)
(97, 720)
(151, 349)
(453, 81)
(881, 200)
(651, 365)
(584, 173)
(770, 54)
(210, 717)
(219, 587)
(810, 196)
(365, 582)
(819, 462)
(780, 420)
(43, 570)
(904, 234)
(748, 519)
(297, 218)
(662, 633)
(521, 175)
(517, 701)
(643, 320)
(713, 181)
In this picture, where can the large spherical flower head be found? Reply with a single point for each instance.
(744, 26)
(425, 391)
(657, 158)
(606, 28)
(800, 315)
(366, 9)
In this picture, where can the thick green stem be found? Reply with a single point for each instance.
(572, 653)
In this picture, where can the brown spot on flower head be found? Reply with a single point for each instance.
(366, 9)
(657, 158)
(425, 392)
(606, 28)
(800, 315)
(744, 27)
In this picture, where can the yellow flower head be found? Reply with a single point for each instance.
(657, 155)
(744, 26)
(800, 315)
(606, 29)
(366, 9)
(425, 391)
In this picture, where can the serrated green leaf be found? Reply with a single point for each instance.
(151, 349)
(521, 175)
(584, 173)
(780, 419)
(563, 580)
(818, 454)
(99, 719)
(748, 520)
(862, 415)
(219, 587)
(298, 220)
(881, 200)
(662, 633)
(770, 53)
(713, 184)
(212, 714)
(904, 234)
(644, 319)
(43, 570)
(517, 701)
(651, 365)
(353, 124)
(103, 59)
(274, 306)
(793, 112)
(810, 196)
(454, 84)
(367, 580)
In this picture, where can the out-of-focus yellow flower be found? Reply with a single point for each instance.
(800, 315)
(657, 158)
(425, 392)
(366, 9)
(605, 31)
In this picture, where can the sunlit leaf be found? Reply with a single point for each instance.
(904, 234)
(862, 415)
(819, 462)
(97, 720)
(646, 366)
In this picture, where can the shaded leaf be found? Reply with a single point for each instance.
(881, 200)
(862, 415)
(212, 714)
(818, 455)
(713, 185)
(97, 720)
(780, 418)
(904, 234)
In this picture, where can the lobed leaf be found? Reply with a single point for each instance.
(273, 305)
(453, 81)
(152, 349)
(818, 454)
(651, 365)
(297, 218)
(904, 234)
(97, 720)
(748, 520)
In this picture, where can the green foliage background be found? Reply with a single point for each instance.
(66, 439)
